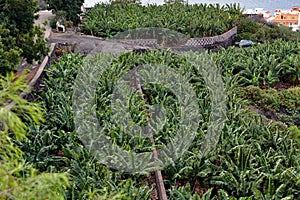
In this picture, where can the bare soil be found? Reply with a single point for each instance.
(86, 44)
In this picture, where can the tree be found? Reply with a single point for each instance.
(71, 7)
(19, 180)
(19, 14)
(9, 57)
(18, 35)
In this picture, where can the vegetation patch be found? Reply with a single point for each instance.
(198, 20)
(281, 106)
(263, 65)
(42, 157)
(257, 29)
(252, 159)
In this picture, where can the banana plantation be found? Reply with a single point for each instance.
(199, 20)
(256, 155)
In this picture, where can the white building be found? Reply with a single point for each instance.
(259, 11)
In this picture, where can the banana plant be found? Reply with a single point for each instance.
(106, 20)
(253, 160)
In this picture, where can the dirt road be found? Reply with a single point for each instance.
(86, 44)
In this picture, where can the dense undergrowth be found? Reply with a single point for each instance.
(20, 179)
(280, 106)
(254, 159)
(257, 29)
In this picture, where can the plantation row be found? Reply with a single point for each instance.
(106, 20)
(262, 65)
(254, 159)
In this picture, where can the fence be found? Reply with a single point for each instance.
(226, 39)
(138, 42)
(212, 41)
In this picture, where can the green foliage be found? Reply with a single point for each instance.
(53, 23)
(261, 65)
(35, 186)
(53, 145)
(266, 99)
(9, 58)
(71, 8)
(259, 30)
(252, 160)
(18, 14)
(10, 116)
(155, 94)
(295, 134)
(198, 20)
(283, 105)
(290, 98)
(125, 190)
(18, 179)
(57, 98)
(60, 16)
(271, 99)
(183, 193)
(18, 35)
(246, 29)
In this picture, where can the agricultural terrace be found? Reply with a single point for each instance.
(106, 20)
(257, 154)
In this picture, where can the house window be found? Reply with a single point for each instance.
(290, 23)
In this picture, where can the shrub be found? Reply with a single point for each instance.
(19, 180)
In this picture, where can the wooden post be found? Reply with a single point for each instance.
(161, 191)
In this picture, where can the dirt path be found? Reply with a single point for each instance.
(86, 44)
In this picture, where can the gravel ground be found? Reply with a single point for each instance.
(85, 44)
